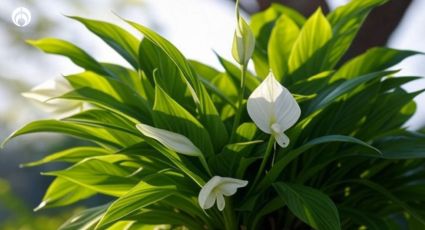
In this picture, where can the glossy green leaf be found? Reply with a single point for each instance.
(105, 177)
(332, 93)
(94, 134)
(384, 192)
(169, 115)
(153, 58)
(86, 219)
(71, 155)
(106, 101)
(62, 192)
(117, 38)
(262, 24)
(283, 36)
(402, 146)
(310, 205)
(67, 49)
(313, 36)
(376, 59)
(346, 21)
(251, 82)
(149, 191)
(280, 165)
(119, 91)
(207, 110)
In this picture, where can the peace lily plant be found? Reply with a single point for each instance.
(303, 141)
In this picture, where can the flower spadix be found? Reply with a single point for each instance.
(273, 109)
(44, 95)
(173, 141)
(215, 190)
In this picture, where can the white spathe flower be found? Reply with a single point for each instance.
(173, 141)
(45, 97)
(215, 190)
(243, 40)
(273, 109)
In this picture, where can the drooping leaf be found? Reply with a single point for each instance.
(105, 177)
(115, 89)
(375, 59)
(402, 146)
(67, 49)
(117, 38)
(94, 134)
(106, 101)
(344, 87)
(62, 192)
(71, 155)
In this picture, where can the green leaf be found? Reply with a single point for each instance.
(251, 82)
(128, 77)
(100, 176)
(62, 192)
(375, 59)
(206, 71)
(175, 55)
(383, 191)
(335, 91)
(86, 219)
(208, 113)
(104, 118)
(185, 167)
(108, 102)
(361, 217)
(117, 38)
(388, 113)
(280, 164)
(67, 49)
(161, 217)
(169, 115)
(71, 155)
(262, 24)
(402, 146)
(346, 21)
(309, 205)
(313, 36)
(152, 189)
(283, 36)
(97, 135)
(120, 92)
(153, 58)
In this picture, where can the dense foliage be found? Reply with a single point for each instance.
(350, 162)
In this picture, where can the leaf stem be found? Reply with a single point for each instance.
(240, 103)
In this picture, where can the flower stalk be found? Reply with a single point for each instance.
(240, 107)
(266, 157)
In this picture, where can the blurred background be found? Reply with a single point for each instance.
(196, 27)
